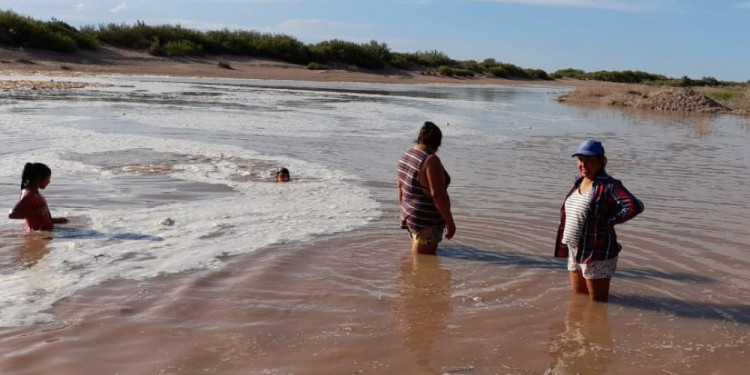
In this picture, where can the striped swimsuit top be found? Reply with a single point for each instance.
(418, 211)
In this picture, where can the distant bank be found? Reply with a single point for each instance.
(54, 47)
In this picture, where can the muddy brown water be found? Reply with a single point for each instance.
(493, 300)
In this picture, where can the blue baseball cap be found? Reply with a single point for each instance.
(590, 148)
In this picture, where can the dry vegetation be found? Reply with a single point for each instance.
(725, 99)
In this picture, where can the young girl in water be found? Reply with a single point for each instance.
(282, 175)
(32, 205)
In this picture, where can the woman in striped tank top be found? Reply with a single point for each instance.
(423, 192)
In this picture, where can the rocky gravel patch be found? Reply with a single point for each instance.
(679, 100)
(671, 99)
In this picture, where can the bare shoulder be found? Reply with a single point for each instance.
(433, 161)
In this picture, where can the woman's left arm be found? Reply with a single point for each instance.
(629, 206)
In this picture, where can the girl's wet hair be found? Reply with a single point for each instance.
(281, 171)
(430, 135)
(33, 172)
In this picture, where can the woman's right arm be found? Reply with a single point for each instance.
(629, 206)
(436, 182)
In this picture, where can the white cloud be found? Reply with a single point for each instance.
(123, 5)
(618, 5)
(745, 5)
(79, 6)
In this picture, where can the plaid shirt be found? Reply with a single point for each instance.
(610, 204)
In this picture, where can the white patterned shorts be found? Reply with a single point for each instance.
(597, 269)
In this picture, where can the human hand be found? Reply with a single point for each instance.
(450, 230)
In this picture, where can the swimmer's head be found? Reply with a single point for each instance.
(35, 175)
(282, 175)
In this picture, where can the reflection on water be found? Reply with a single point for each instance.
(423, 303)
(585, 344)
(33, 248)
(683, 273)
(26, 249)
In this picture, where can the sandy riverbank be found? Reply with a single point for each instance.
(116, 61)
(109, 61)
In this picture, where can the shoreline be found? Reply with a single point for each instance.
(111, 61)
(116, 61)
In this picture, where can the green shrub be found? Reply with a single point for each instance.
(569, 73)
(368, 55)
(445, 70)
(472, 66)
(83, 40)
(537, 74)
(433, 59)
(626, 76)
(55, 40)
(686, 81)
(156, 49)
(20, 31)
(427, 59)
(400, 61)
(463, 73)
(133, 36)
(503, 70)
(488, 63)
(316, 66)
(183, 48)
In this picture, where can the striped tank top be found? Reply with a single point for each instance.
(418, 211)
(576, 209)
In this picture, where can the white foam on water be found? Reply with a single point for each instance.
(133, 243)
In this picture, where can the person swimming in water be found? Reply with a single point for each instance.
(32, 206)
(282, 175)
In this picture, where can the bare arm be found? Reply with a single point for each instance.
(436, 185)
(400, 193)
(24, 209)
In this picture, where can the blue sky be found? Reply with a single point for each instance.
(696, 38)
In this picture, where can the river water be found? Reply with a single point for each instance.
(184, 257)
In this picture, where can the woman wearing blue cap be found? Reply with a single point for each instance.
(586, 235)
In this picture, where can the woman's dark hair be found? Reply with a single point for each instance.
(32, 172)
(430, 135)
